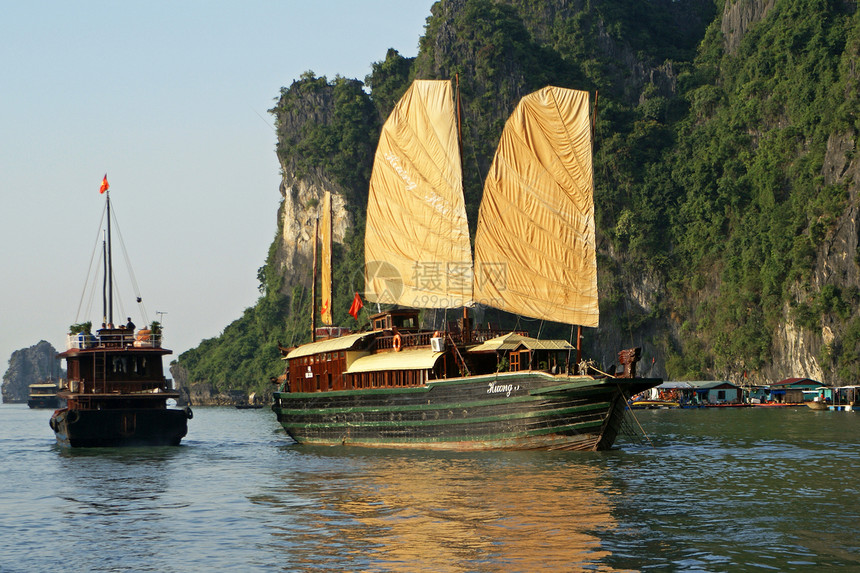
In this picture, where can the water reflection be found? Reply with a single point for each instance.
(397, 511)
(119, 492)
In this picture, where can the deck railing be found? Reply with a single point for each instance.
(116, 338)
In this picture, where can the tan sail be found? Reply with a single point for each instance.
(325, 272)
(416, 244)
(535, 245)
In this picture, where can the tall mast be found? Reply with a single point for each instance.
(104, 281)
(465, 330)
(109, 264)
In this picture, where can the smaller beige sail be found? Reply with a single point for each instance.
(416, 243)
(535, 246)
(325, 271)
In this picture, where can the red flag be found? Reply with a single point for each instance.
(356, 306)
(105, 186)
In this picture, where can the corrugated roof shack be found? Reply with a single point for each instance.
(717, 392)
(701, 393)
(791, 390)
(681, 392)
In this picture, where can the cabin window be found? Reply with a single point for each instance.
(721, 394)
(330, 385)
(140, 366)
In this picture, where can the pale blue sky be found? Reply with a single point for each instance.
(170, 98)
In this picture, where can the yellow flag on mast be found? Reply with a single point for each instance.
(325, 272)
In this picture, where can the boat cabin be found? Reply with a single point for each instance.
(397, 353)
(115, 361)
(515, 352)
(401, 319)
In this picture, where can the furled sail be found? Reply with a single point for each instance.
(325, 274)
(535, 245)
(417, 250)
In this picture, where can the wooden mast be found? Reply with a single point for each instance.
(104, 281)
(593, 128)
(465, 330)
(109, 265)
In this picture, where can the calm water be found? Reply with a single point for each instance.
(719, 490)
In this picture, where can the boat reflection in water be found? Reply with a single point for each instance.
(520, 511)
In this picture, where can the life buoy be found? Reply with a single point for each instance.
(188, 413)
(397, 342)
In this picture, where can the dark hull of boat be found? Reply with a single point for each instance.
(45, 402)
(120, 427)
(512, 411)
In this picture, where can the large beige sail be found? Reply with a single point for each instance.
(535, 245)
(325, 271)
(416, 244)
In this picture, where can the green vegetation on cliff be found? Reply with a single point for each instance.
(710, 168)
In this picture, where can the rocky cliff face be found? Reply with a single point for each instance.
(302, 109)
(302, 201)
(797, 350)
(738, 16)
(205, 394)
(29, 366)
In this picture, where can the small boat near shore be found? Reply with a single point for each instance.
(654, 404)
(44, 395)
(836, 398)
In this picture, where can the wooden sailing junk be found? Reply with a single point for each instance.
(116, 392)
(465, 387)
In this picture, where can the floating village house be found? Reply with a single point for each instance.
(794, 390)
(717, 392)
(700, 393)
(756, 394)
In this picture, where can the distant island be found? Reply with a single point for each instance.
(32, 365)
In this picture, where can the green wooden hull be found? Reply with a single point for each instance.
(514, 411)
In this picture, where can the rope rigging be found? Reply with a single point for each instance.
(95, 273)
